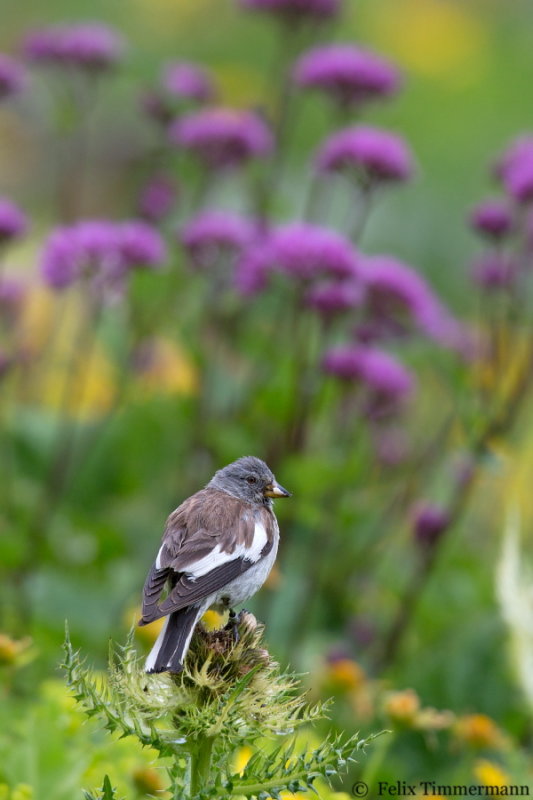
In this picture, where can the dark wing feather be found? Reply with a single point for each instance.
(153, 588)
(188, 590)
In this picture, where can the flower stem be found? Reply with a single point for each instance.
(201, 764)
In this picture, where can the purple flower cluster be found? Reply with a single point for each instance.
(396, 296)
(89, 46)
(12, 77)
(330, 298)
(494, 271)
(221, 137)
(13, 223)
(429, 523)
(307, 252)
(515, 169)
(296, 10)
(505, 222)
(182, 83)
(189, 81)
(371, 154)
(254, 266)
(157, 198)
(302, 251)
(214, 235)
(492, 219)
(99, 251)
(350, 75)
(387, 381)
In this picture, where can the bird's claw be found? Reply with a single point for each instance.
(233, 625)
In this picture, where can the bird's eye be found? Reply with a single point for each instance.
(251, 479)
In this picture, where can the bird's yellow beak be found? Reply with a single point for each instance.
(275, 490)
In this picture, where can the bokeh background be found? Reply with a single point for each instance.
(433, 641)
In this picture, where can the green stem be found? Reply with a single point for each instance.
(201, 764)
(252, 789)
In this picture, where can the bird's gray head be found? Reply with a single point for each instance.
(248, 479)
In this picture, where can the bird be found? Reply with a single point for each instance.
(217, 550)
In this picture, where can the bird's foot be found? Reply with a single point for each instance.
(233, 625)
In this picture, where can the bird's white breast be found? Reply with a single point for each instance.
(247, 584)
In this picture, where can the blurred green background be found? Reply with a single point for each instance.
(469, 78)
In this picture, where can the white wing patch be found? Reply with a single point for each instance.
(158, 559)
(217, 556)
(259, 541)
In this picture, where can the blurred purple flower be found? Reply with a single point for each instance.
(515, 169)
(222, 137)
(92, 46)
(140, 245)
(157, 198)
(520, 149)
(189, 81)
(373, 154)
(386, 379)
(397, 294)
(101, 251)
(295, 10)
(307, 251)
(60, 259)
(333, 297)
(429, 523)
(13, 222)
(253, 267)
(492, 219)
(213, 234)
(494, 271)
(12, 77)
(518, 181)
(349, 74)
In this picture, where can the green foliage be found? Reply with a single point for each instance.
(230, 695)
(106, 792)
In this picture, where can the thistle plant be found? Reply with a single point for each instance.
(230, 695)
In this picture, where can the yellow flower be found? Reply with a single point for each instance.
(213, 621)
(13, 652)
(343, 675)
(490, 774)
(73, 372)
(242, 757)
(168, 370)
(402, 707)
(147, 634)
(442, 40)
(148, 781)
(478, 730)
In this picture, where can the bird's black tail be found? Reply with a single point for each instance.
(172, 644)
